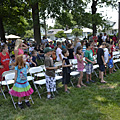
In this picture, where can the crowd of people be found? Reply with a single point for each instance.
(24, 55)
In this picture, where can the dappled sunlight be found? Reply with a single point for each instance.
(101, 99)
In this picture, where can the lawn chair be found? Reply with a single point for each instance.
(35, 72)
(3, 83)
(9, 80)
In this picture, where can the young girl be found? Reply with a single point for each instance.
(66, 69)
(21, 87)
(110, 62)
(19, 47)
(80, 55)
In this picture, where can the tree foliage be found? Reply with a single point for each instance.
(60, 34)
(77, 32)
(29, 34)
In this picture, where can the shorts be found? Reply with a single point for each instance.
(50, 83)
(102, 68)
(89, 68)
(110, 65)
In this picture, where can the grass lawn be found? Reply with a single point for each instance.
(95, 102)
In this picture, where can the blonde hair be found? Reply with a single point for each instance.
(17, 43)
(20, 62)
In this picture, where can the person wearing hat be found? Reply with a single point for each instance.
(19, 47)
(50, 72)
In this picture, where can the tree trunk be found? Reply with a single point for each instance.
(2, 31)
(45, 27)
(94, 10)
(36, 24)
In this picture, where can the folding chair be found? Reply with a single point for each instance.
(94, 68)
(35, 71)
(115, 62)
(3, 83)
(9, 80)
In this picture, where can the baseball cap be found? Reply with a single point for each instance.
(48, 49)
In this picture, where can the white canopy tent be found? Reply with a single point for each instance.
(12, 37)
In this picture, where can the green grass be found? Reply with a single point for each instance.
(95, 102)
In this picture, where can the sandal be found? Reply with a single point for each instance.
(78, 86)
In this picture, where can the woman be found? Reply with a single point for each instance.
(114, 39)
(19, 47)
(76, 44)
(108, 39)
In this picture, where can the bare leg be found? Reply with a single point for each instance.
(79, 81)
(20, 99)
(102, 76)
(65, 87)
(27, 97)
(99, 74)
(81, 73)
(90, 76)
(105, 71)
(87, 75)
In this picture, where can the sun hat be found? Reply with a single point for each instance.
(48, 49)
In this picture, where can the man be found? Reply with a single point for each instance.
(101, 62)
(104, 37)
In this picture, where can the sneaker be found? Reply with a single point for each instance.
(20, 106)
(28, 104)
(88, 82)
(92, 81)
(51, 98)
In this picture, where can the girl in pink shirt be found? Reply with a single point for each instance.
(19, 47)
(80, 55)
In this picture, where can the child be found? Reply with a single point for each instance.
(12, 61)
(66, 69)
(50, 72)
(34, 59)
(59, 52)
(90, 61)
(80, 55)
(106, 53)
(21, 87)
(4, 61)
(83, 43)
(71, 51)
(110, 62)
(101, 62)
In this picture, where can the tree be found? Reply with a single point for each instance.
(60, 34)
(29, 34)
(77, 32)
(66, 20)
(11, 12)
(95, 5)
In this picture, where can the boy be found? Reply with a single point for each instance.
(4, 61)
(12, 61)
(90, 61)
(34, 59)
(50, 72)
(101, 61)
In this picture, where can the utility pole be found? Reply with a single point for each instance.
(119, 23)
